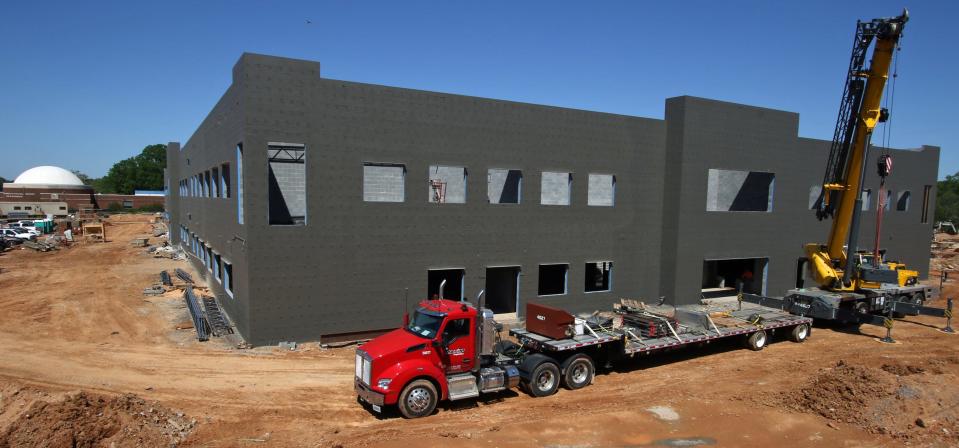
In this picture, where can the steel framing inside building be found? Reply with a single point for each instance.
(326, 208)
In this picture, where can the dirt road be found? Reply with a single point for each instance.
(76, 320)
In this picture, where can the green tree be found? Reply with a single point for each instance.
(947, 199)
(3, 180)
(143, 171)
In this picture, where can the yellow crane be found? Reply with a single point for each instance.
(853, 286)
(832, 266)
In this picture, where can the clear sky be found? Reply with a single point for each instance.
(84, 84)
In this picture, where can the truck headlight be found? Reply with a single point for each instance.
(384, 383)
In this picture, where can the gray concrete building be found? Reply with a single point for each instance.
(326, 208)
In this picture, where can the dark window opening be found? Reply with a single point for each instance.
(504, 186)
(598, 276)
(502, 289)
(552, 279)
(206, 183)
(127, 204)
(228, 277)
(724, 278)
(215, 182)
(926, 194)
(902, 203)
(452, 290)
(287, 185)
(225, 180)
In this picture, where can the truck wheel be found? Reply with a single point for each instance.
(544, 380)
(577, 372)
(757, 340)
(418, 399)
(800, 333)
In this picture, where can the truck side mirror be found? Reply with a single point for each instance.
(437, 344)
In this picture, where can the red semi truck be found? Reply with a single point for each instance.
(449, 350)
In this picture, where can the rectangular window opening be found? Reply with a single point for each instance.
(287, 184)
(447, 184)
(216, 267)
(127, 204)
(926, 197)
(739, 191)
(215, 179)
(552, 279)
(601, 190)
(384, 182)
(225, 180)
(504, 186)
(599, 276)
(866, 199)
(724, 278)
(207, 187)
(555, 188)
(228, 278)
(502, 289)
(239, 183)
(452, 289)
(902, 201)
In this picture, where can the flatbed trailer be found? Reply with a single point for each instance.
(744, 322)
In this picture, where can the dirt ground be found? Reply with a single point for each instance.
(87, 360)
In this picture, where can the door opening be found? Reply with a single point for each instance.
(502, 289)
(723, 278)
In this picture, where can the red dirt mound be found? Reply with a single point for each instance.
(842, 393)
(85, 420)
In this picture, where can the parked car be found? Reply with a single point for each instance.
(10, 241)
(31, 230)
(18, 234)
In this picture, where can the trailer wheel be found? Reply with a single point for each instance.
(800, 333)
(418, 399)
(757, 340)
(544, 380)
(578, 372)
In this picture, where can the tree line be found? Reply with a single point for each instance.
(143, 171)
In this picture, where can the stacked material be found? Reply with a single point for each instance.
(649, 325)
(645, 322)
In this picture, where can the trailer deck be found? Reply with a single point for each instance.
(700, 324)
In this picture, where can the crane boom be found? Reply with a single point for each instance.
(859, 112)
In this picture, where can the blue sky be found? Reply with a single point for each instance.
(84, 84)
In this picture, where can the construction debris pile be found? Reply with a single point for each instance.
(894, 399)
(87, 420)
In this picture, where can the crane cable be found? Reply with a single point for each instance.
(890, 102)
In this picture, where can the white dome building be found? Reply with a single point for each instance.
(47, 178)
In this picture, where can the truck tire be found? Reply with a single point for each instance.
(757, 341)
(578, 372)
(418, 399)
(800, 333)
(544, 380)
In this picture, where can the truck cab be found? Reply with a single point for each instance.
(444, 351)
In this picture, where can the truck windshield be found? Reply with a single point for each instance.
(425, 324)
